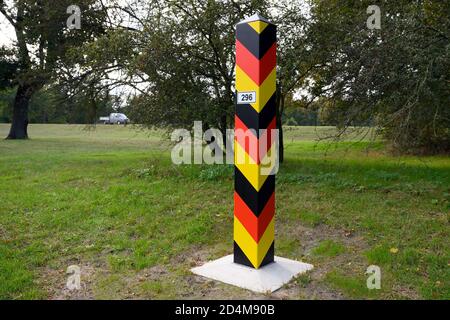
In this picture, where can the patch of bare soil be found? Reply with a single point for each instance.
(154, 273)
(55, 281)
(174, 280)
(314, 288)
(351, 261)
(2, 234)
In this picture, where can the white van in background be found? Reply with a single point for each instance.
(115, 118)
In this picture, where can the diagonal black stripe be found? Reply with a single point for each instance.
(257, 44)
(255, 200)
(241, 258)
(270, 256)
(255, 120)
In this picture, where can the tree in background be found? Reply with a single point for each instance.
(296, 59)
(8, 68)
(295, 114)
(42, 40)
(179, 57)
(396, 78)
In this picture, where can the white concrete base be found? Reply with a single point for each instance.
(265, 280)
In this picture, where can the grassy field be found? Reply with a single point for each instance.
(110, 201)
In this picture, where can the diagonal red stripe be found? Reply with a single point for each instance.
(256, 149)
(257, 70)
(255, 226)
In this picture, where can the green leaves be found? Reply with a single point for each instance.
(395, 78)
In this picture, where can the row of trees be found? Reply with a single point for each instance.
(50, 105)
(177, 59)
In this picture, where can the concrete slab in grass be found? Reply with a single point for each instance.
(265, 280)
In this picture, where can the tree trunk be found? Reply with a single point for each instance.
(280, 108)
(281, 141)
(19, 126)
(223, 124)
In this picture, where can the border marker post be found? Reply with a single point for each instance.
(254, 197)
(253, 265)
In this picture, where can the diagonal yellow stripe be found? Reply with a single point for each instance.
(250, 169)
(259, 26)
(255, 252)
(263, 93)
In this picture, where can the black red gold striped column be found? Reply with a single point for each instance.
(254, 197)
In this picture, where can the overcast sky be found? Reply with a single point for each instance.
(6, 32)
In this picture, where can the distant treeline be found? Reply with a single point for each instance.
(316, 114)
(51, 106)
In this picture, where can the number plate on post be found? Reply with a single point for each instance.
(246, 97)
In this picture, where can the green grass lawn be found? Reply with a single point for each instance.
(110, 201)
